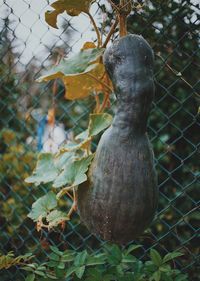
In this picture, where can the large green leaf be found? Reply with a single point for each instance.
(43, 206)
(74, 172)
(80, 63)
(72, 8)
(48, 167)
(155, 257)
(45, 170)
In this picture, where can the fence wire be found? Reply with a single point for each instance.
(27, 46)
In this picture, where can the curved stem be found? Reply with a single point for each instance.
(105, 102)
(101, 82)
(99, 39)
(111, 32)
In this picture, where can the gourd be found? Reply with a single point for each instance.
(119, 200)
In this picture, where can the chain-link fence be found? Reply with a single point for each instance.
(27, 46)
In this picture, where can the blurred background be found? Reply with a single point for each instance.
(27, 47)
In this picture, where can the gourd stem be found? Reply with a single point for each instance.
(122, 14)
(122, 25)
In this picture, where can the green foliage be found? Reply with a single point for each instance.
(74, 172)
(82, 62)
(6, 261)
(98, 123)
(111, 264)
(45, 171)
(15, 162)
(170, 28)
(65, 171)
(43, 206)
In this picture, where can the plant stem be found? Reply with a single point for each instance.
(105, 101)
(99, 39)
(113, 5)
(101, 82)
(122, 14)
(112, 30)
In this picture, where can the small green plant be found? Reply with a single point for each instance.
(6, 261)
(110, 264)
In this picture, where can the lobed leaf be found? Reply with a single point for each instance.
(45, 170)
(43, 206)
(74, 172)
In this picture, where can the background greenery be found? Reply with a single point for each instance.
(172, 30)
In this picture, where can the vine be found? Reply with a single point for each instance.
(67, 169)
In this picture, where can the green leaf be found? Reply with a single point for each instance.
(155, 257)
(80, 258)
(94, 274)
(61, 265)
(73, 8)
(43, 206)
(45, 170)
(181, 277)
(156, 276)
(98, 123)
(63, 158)
(54, 257)
(114, 254)
(132, 248)
(74, 172)
(171, 256)
(40, 273)
(55, 250)
(80, 271)
(55, 217)
(30, 277)
(68, 257)
(128, 259)
(95, 260)
(70, 271)
(80, 63)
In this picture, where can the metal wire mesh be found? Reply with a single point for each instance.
(27, 45)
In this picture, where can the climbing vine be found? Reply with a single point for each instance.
(82, 75)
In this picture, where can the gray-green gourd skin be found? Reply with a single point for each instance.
(119, 200)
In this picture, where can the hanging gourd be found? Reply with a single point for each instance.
(119, 200)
